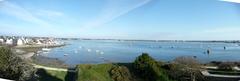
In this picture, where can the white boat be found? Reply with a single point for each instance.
(101, 53)
(39, 52)
(89, 50)
(65, 54)
(46, 49)
(45, 52)
(97, 51)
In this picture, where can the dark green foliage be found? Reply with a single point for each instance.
(149, 69)
(120, 73)
(13, 67)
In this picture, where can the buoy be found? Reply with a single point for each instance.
(194, 56)
(208, 51)
(89, 50)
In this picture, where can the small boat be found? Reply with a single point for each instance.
(45, 52)
(89, 50)
(97, 51)
(101, 53)
(39, 52)
(46, 49)
(65, 54)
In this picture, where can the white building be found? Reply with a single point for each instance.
(1, 41)
(20, 42)
(39, 42)
(9, 41)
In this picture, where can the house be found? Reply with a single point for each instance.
(1, 41)
(9, 41)
(20, 42)
(39, 42)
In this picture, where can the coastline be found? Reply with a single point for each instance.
(40, 46)
(30, 53)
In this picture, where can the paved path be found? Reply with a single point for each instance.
(51, 68)
(215, 67)
(5, 80)
(210, 67)
(206, 73)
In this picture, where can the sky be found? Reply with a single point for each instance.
(122, 19)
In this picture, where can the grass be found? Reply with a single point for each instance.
(100, 72)
(50, 75)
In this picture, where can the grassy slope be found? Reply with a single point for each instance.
(98, 72)
(50, 75)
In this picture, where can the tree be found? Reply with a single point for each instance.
(185, 68)
(13, 67)
(149, 69)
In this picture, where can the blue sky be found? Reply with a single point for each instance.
(122, 19)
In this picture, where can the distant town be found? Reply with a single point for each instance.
(28, 41)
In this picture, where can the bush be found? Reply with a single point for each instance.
(120, 73)
(149, 69)
(13, 67)
(185, 68)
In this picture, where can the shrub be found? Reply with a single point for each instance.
(149, 69)
(13, 67)
(185, 68)
(120, 73)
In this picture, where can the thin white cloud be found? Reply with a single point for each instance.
(223, 30)
(114, 9)
(20, 13)
(49, 13)
(14, 10)
(234, 1)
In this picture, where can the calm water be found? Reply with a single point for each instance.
(101, 51)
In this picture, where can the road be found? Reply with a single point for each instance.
(206, 73)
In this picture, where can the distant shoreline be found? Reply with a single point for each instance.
(40, 46)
